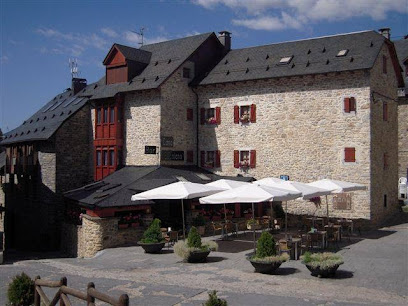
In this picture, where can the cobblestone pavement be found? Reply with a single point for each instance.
(375, 272)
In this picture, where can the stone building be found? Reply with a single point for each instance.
(323, 107)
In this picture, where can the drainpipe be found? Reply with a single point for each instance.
(197, 119)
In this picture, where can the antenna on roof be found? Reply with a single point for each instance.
(141, 34)
(73, 65)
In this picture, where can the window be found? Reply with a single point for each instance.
(349, 105)
(105, 157)
(211, 115)
(111, 157)
(245, 113)
(186, 73)
(349, 155)
(112, 115)
(105, 115)
(342, 53)
(98, 158)
(384, 64)
(385, 111)
(210, 159)
(99, 116)
(244, 159)
(285, 60)
(190, 114)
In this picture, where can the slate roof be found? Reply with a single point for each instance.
(401, 47)
(133, 54)
(44, 123)
(311, 56)
(116, 189)
(166, 57)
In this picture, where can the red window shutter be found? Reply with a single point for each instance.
(349, 154)
(189, 114)
(253, 113)
(252, 157)
(236, 159)
(202, 162)
(217, 159)
(218, 114)
(202, 115)
(385, 111)
(346, 105)
(352, 104)
(190, 156)
(236, 114)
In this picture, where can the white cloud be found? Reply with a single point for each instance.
(295, 14)
(109, 32)
(4, 59)
(135, 39)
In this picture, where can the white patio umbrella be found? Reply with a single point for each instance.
(178, 190)
(335, 186)
(227, 185)
(307, 192)
(250, 194)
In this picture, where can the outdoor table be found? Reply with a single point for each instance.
(295, 242)
(346, 223)
(320, 234)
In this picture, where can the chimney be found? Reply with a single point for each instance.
(386, 32)
(78, 85)
(225, 39)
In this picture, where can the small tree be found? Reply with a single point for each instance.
(21, 290)
(193, 239)
(213, 300)
(153, 233)
(266, 246)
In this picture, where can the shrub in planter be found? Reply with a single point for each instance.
(199, 222)
(265, 259)
(152, 241)
(322, 264)
(253, 224)
(194, 250)
(213, 300)
(21, 290)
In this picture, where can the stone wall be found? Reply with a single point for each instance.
(177, 97)
(97, 234)
(403, 137)
(301, 130)
(384, 139)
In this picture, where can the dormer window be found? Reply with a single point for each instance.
(342, 53)
(285, 60)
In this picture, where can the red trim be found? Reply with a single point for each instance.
(252, 158)
(236, 159)
(253, 113)
(350, 155)
(236, 114)
(217, 158)
(218, 115)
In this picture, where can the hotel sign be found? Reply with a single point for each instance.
(342, 201)
(167, 142)
(172, 155)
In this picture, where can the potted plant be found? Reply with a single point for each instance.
(199, 223)
(253, 224)
(152, 241)
(213, 300)
(322, 264)
(265, 259)
(194, 250)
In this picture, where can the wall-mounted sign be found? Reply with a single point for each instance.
(172, 155)
(284, 177)
(167, 142)
(342, 201)
(150, 149)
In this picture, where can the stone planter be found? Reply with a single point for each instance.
(316, 271)
(265, 267)
(152, 248)
(198, 256)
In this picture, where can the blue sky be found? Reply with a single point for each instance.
(38, 37)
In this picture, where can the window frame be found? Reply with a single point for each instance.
(208, 116)
(247, 119)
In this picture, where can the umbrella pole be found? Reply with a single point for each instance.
(327, 207)
(253, 217)
(225, 219)
(271, 221)
(184, 226)
(286, 221)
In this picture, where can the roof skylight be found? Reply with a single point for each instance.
(342, 52)
(181, 179)
(285, 60)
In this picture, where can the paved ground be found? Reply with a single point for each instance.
(375, 272)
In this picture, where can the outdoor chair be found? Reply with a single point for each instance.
(283, 247)
(231, 228)
(265, 222)
(314, 240)
(304, 243)
(332, 235)
(172, 238)
(216, 227)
